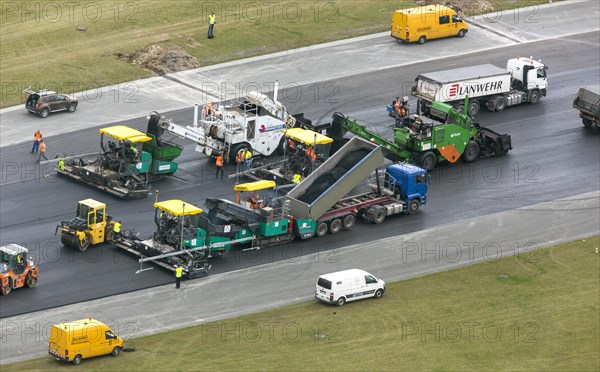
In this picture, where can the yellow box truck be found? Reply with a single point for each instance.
(80, 339)
(427, 22)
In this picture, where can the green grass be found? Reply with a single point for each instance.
(41, 47)
(544, 316)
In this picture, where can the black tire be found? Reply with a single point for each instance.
(422, 40)
(235, 149)
(413, 206)
(6, 290)
(335, 226)
(44, 113)
(348, 221)
(116, 351)
(460, 108)
(379, 215)
(77, 360)
(587, 122)
(321, 230)
(109, 234)
(84, 244)
(534, 97)
(30, 281)
(341, 301)
(378, 293)
(461, 33)
(281, 146)
(72, 107)
(427, 160)
(471, 152)
(473, 108)
(501, 104)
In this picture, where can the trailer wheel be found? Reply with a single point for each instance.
(321, 229)
(77, 359)
(587, 122)
(85, 243)
(501, 104)
(348, 221)
(471, 152)
(335, 226)
(534, 97)
(413, 206)
(427, 160)
(379, 215)
(6, 290)
(422, 40)
(473, 108)
(30, 280)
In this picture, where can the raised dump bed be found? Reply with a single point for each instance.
(335, 178)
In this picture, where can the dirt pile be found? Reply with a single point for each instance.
(161, 60)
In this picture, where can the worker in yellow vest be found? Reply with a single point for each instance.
(178, 272)
(297, 178)
(117, 230)
(211, 24)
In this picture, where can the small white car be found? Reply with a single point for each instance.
(348, 285)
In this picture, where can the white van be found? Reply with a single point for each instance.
(348, 285)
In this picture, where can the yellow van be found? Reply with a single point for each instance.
(427, 22)
(86, 338)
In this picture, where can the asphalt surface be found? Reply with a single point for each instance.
(554, 156)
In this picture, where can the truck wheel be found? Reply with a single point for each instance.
(473, 108)
(6, 290)
(348, 221)
(379, 215)
(341, 301)
(471, 152)
(321, 229)
(534, 97)
(460, 108)
(335, 226)
(378, 293)
(427, 160)
(235, 149)
(422, 40)
(30, 280)
(84, 244)
(77, 359)
(461, 33)
(587, 122)
(501, 104)
(413, 206)
(116, 351)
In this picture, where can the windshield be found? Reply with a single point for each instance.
(82, 211)
(324, 283)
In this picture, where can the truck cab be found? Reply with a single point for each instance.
(411, 184)
(528, 74)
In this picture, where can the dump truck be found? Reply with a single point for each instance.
(16, 270)
(523, 80)
(126, 163)
(588, 104)
(176, 242)
(253, 122)
(91, 226)
(324, 202)
(425, 142)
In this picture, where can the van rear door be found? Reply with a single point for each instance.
(324, 290)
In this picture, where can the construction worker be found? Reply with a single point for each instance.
(211, 24)
(219, 164)
(37, 137)
(310, 154)
(297, 178)
(178, 272)
(42, 151)
(247, 160)
(117, 229)
(61, 164)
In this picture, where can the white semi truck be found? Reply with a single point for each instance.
(523, 80)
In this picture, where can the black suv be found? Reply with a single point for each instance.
(43, 102)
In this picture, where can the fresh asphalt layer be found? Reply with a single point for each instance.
(553, 157)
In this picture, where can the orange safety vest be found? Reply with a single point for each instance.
(219, 161)
(311, 153)
(37, 136)
(42, 147)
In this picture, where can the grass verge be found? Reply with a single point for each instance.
(41, 46)
(543, 316)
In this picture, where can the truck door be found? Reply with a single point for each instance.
(370, 285)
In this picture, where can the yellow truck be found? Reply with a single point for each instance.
(82, 339)
(427, 22)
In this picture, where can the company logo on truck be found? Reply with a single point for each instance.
(470, 89)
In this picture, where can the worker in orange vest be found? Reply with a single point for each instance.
(42, 151)
(37, 137)
(310, 153)
(219, 164)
